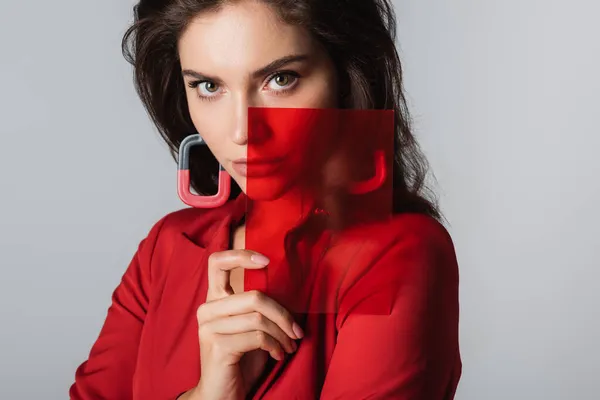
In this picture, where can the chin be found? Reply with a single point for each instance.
(269, 188)
(266, 189)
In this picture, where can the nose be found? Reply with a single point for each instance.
(240, 120)
(245, 131)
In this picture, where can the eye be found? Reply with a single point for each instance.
(209, 87)
(282, 80)
(205, 89)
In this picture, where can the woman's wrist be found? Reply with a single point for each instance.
(201, 392)
(192, 394)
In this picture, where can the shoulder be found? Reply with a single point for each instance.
(420, 246)
(404, 233)
(407, 250)
(421, 226)
(423, 233)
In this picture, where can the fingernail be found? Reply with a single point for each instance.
(294, 347)
(259, 259)
(297, 330)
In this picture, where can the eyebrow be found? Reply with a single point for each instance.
(267, 69)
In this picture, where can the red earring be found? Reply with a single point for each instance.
(376, 181)
(369, 185)
(183, 178)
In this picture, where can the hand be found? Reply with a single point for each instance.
(237, 332)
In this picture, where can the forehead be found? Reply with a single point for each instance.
(240, 36)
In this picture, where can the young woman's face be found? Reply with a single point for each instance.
(223, 58)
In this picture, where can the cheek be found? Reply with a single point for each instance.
(208, 123)
(326, 92)
(327, 97)
(322, 93)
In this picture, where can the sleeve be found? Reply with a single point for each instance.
(398, 327)
(108, 371)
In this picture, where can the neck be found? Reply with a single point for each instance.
(271, 220)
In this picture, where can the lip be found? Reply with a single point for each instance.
(257, 167)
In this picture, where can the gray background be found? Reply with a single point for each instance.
(505, 102)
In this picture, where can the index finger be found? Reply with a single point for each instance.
(220, 265)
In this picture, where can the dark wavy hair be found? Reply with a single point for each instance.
(359, 36)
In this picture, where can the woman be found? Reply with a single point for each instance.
(181, 324)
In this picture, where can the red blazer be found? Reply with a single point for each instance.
(392, 334)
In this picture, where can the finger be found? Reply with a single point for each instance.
(251, 322)
(242, 343)
(220, 265)
(247, 302)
